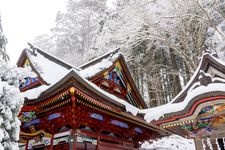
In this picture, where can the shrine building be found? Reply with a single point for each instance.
(198, 111)
(93, 106)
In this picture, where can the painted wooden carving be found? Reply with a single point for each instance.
(210, 119)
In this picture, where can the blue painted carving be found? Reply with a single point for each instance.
(32, 122)
(54, 116)
(119, 123)
(138, 130)
(113, 76)
(28, 81)
(96, 116)
(28, 116)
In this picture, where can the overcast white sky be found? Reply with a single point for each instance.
(22, 20)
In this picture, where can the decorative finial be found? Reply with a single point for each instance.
(72, 90)
(212, 52)
(33, 49)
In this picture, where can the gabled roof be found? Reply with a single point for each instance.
(208, 80)
(51, 70)
(45, 65)
(96, 69)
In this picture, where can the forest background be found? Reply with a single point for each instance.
(162, 40)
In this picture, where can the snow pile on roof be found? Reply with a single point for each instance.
(92, 70)
(173, 142)
(110, 55)
(94, 67)
(157, 112)
(51, 72)
(35, 92)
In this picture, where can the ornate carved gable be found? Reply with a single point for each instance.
(118, 81)
(28, 82)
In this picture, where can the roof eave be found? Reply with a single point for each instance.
(66, 82)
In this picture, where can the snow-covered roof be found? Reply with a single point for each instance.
(52, 72)
(49, 71)
(97, 67)
(48, 67)
(109, 56)
(92, 87)
(98, 64)
(157, 112)
(190, 91)
(35, 92)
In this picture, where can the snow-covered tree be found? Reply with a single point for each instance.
(45, 42)
(10, 99)
(162, 40)
(10, 104)
(76, 29)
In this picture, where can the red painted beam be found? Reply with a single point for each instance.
(32, 85)
(29, 108)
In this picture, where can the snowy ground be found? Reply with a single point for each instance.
(173, 142)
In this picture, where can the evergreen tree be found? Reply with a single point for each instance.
(10, 99)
